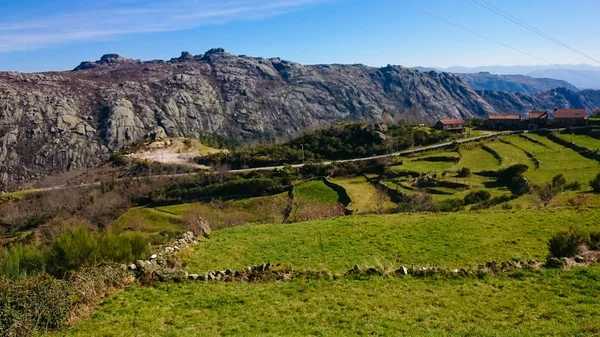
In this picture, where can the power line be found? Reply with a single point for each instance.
(477, 33)
(492, 39)
(485, 4)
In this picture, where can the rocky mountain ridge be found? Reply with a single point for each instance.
(514, 83)
(53, 122)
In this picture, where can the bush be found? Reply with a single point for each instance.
(595, 240)
(477, 197)
(573, 186)
(72, 250)
(464, 172)
(81, 247)
(595, 184)
(567, 243)
(450, 205)
(33, 305)
(21, 261)
(122, 248)
(511, 172)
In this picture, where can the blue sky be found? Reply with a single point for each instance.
(58, 34)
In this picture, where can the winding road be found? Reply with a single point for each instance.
(269, 168)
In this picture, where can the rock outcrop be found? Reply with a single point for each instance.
(53, 122)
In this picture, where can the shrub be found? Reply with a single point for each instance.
(595, 240)
(567, 243)
(477, 197)
(450, 205)
(21, 261)
(464, 172)
(493, 202)
(512, 172)
(33, 305)
(573, 186)
(418, 202)
(81, 247)
(595, 184)
(547, 192)
(124, 247)
(72, 250)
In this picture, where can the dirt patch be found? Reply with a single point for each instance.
(179, 151)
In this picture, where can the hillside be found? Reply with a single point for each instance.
(584, 78)
(514, 83)
(59, 121)
(561, 97)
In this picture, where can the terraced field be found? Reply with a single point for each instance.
(556, 159)
(581, 140)
(476, 159)
(510, 154)
(365, 197)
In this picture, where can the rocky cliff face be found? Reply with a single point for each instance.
(514, 83)
(557, 98)
(52, 122)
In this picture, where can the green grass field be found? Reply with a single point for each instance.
(317, 192)
(454, 240)
(581, 140)
(476, 159)
(510, 154)
(556, 159)
(364, 195)
(148, 220)
(552, 303)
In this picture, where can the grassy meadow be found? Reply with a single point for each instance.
(551, 303)
(463, 239)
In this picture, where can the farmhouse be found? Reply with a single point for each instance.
(569, 117)
(538, 119)
(504, 121)
(451, 124)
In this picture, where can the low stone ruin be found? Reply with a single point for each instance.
(160, 264)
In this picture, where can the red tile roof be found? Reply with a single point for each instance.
(537, 114)
(452, 121)
(505, 116)
(570, 113)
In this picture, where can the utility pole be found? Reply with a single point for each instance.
(302, 145)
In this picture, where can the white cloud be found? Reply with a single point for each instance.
(120, 17)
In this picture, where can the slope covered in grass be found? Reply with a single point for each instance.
(556, 159)
(315, 191)
(453, 240)
(365, 197)
(581, 140)
(477, 159)
(553, 303)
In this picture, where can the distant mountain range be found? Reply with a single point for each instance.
(583, 76)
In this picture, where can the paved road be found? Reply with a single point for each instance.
(269, 168)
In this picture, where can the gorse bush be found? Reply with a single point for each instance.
(21, 261)
(595, 184)
(464, 172)
(568, 243)
(122, 248)
(36, 304)
(477, 197)
(72, 250)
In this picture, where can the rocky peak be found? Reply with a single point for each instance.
(105, 59)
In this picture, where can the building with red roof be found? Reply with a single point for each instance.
(569, 117)
(538, 119)
(451, 124)
(504, 121)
